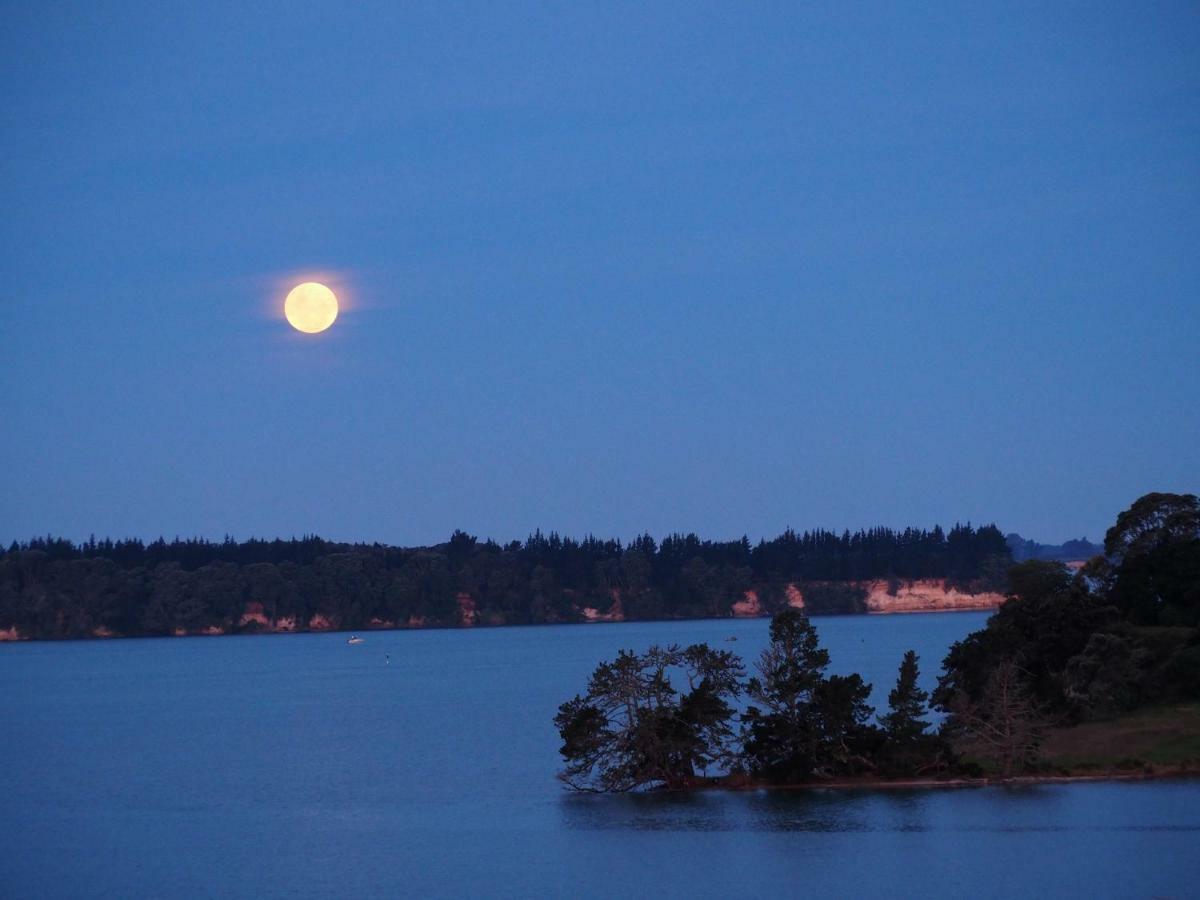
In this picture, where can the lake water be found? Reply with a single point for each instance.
(296, 765)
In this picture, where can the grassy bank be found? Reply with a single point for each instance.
(1159, 742)
(1161, 737)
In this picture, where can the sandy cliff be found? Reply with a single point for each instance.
(615, 612)
(254, 613)
(749, 606)
(468, 615)
(928, 595)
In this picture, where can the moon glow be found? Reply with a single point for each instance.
(310, 307)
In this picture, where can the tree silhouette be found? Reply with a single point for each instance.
(633, 728)
(807, 723)
(908, 746)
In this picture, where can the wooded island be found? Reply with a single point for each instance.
(1096, 671)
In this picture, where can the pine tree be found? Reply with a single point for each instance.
(907, 745)
(908, 703)
(811, 725)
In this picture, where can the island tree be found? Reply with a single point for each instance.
(909, 748)
(804, 724)
(633, 728)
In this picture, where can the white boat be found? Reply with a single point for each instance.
(354, 639)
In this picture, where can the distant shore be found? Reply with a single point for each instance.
(51, 587)
(255, 622)
(877, 597)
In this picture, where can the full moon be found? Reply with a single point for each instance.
(310, 307)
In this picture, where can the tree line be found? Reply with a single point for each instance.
(1122, 633)
(51, 587)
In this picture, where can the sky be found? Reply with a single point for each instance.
(605, 267)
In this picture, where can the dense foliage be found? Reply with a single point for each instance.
(54, 588)
(634, 729)
(1119, 634)
(809, 723)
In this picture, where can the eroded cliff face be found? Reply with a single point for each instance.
(928, 595)
(253, 613)
(467, 613)
(615, 612)
(748, 607)
(794, 598)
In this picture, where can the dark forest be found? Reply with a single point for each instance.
(54, 588)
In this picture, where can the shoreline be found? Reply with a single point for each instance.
(13, 636)
(1153, 773)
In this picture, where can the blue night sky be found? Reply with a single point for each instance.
(607, 267)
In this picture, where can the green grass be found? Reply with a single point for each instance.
(1159, 736)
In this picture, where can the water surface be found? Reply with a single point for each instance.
(295, 765)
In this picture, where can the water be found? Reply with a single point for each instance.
(295, 765)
